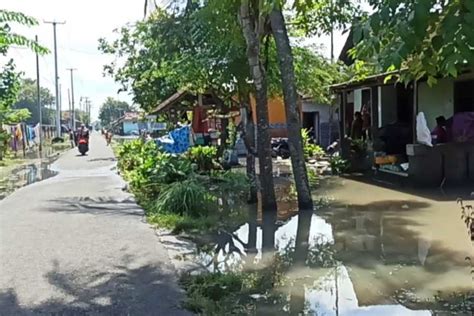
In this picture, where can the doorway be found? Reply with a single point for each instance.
(311, 123)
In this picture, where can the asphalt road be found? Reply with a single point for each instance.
(76, 244)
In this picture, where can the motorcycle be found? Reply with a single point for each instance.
(280, 148)
(83, 145)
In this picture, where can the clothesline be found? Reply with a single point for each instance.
(23, 136)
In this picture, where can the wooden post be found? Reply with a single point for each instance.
(23, 132)
(374, 109)
(342, 115)
(415, 109)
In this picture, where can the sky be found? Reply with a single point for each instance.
(86, 22)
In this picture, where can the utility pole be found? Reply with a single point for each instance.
(56, 78)
(87, 104)
(60, 104)
(332, 30)
(38, 99)
(72, 99)
(90, 107)
(69, 107)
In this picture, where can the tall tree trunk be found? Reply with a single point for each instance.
(263, 138)
(295, 142)
(248, 130)
(224, 134)
(224, 110)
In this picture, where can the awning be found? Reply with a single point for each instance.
(178, 96)
(369, 80)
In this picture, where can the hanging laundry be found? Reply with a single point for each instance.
(36, 130)
(177, 141)
(31, 133)
(19, 133)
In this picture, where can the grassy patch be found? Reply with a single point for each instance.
(61, 146)
(10, 162)
(183, 223)
(234, 293)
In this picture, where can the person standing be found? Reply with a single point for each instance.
(366, 123)
(357, 124)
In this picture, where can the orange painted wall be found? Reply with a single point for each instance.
(276, 110)
(276, 115)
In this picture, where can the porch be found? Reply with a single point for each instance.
(390, 145)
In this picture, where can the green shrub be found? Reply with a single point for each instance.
(338, 165)
(173, 194)
(230, 181)
(204, 157)
(359, 146)
(187, 197)
(131, 154)
(148, 169)
(170, 168)
(313, 177)
(310, 150)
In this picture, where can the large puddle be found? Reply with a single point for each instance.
(370, 251)
(37, 167)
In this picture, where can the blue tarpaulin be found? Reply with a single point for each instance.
(176, 141)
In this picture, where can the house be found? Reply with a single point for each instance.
(322, 120)
(393, 109)
(129, 124)
(392, 145)
(206, 115)
(204, 112)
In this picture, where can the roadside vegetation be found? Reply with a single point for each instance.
(184, 193)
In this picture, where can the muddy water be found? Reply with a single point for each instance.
(36, 168)
(371, 251)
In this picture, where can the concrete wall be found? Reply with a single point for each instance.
(388, 99)
(435, 101)
(350, 97)
(357, 100)
(323, 109)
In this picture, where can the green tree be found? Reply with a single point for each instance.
(427, 38)
(295, 142)
(211, 59)
(27, 99)
(214, 57)
(9, 78)
(112, 109)
(253, 29)
(320, 17)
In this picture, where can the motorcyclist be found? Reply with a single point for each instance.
(83, 132)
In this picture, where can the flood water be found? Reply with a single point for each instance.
(36, 168)
(370, 251)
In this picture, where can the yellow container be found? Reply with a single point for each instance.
(385, 160)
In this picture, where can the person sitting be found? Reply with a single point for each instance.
(439, 134)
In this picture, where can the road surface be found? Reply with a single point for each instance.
(76, 244)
